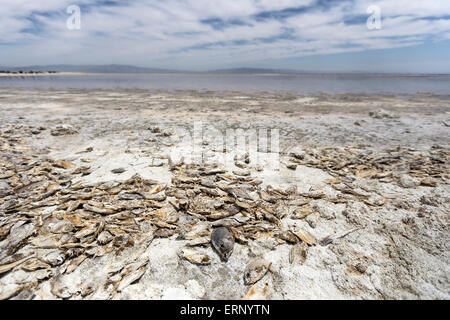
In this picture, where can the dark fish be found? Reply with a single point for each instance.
(223, 241)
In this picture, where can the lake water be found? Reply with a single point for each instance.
(299, 83)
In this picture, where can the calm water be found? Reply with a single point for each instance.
(302, 83)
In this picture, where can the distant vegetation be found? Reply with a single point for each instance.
(25, 72)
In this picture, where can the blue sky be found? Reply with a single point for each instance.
(309, 35)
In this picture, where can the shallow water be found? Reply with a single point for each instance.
(299, 83)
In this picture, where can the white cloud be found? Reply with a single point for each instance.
(171, 33)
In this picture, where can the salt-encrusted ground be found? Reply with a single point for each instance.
(386, 213)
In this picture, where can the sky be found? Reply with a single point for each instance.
(307, 35)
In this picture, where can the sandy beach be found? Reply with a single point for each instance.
(114, 194)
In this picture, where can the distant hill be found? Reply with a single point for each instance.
(118, 68)
(253, 71)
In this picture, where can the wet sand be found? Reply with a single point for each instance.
(366, 176)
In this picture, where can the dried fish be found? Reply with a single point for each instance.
(298, 251)
(199, 242)
(195, 257)
(63, 164)
(305, 236)
(54, 258)
(258, 291)
(102, 211)
(255, 271)
(223, 241)
(10, 266)
(62, 226)
(104, 238)
(34, 264)
(75, 263)
(131, 277)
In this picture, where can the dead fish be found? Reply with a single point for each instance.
(215, 171)
(193, 230)
(242, 173)
(245, 204)
(194, 256)
(60, 292)
(75, 263)
(130, 196)
(255, 271)
(10, 266)
(306, 237)
(223, 241)
(156, 197)
(132, 274)
(84, 170)
(199, 242)
(99, 251)
(301, 213)
(54, 258)
(237, 193)
(271, 218)
(208, 183)
(298, 251)
(130, 278)
(34, 264)
(46, 242)
(288, 236)
(225, 213)
(258, 291)
(238, 236)
(122, 241)
(85, 232)
(158, 189)
(104, 238)
(62, 226)
(63, 164)
(7, 294)
(326, 241)
(102, 211)
(164, 233)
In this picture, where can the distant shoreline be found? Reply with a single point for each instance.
(38, 74)
(71, 73)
